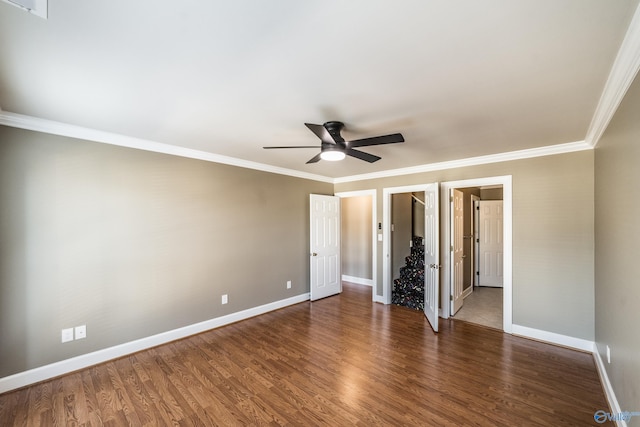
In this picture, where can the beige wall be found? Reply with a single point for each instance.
(617, 234)
(491, 194)
(552, 236)
(134, 243)
(417, 215)
(356, 237)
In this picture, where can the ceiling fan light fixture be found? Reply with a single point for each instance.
(332, 155)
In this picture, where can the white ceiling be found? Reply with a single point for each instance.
(458, 79)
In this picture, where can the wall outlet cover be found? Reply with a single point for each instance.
(225, 298)
(67, 335)
(81, 332)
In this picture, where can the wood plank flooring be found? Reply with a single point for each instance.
(338, 361)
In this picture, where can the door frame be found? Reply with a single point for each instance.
(507, 197)
(374, 239)
(475, 225)
(385, 298)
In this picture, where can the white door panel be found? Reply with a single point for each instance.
(326, 276)
(431, 255)
(457, 253)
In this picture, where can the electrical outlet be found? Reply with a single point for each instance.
(608, 355)
(288, 284)
(225, 298)
(67, 335)
(81, 332)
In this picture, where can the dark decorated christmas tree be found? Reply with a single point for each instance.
(408, 290)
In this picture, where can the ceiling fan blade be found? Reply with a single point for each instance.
(291, 146)
(320, 132)
(377, 140)
(362, 155)
(315, 159)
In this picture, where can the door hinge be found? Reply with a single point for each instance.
(451, 248)
(451, 198)
(450, 297)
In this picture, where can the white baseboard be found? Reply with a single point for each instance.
(553, 338)
(467, 292)
(357, 280)
(608, 388)
(584, 345)
(56, 369)
(378, 298)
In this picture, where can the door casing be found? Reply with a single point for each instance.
(507, 197)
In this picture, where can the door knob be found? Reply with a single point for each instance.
(314, 254)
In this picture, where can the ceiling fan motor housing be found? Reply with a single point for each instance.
(334, 128)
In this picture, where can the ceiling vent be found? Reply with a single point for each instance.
(37, 7)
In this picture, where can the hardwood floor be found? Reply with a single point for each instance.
(338, 361)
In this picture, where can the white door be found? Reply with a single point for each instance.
(325, 246)
(475, 227)
(491, 243)
(431, 255)
(457, 249)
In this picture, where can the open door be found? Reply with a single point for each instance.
(325, 246)
(431, 255)
(457, 249)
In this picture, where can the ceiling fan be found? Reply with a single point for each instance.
(333, 147)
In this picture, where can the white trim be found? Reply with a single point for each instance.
(507, 205)
(46, 372)
(553, 338)
(606, 385)
(57, 128)
(623, 72)
(40, 7)
(472, 161)
(357, 280)
(22, 121)
(374, 233)
(386, 234)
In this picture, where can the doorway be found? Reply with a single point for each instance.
(431, 247)
(448, 286)
(477, 255)
(360, 238)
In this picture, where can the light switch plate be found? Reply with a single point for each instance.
(67, 335)
(81, 332)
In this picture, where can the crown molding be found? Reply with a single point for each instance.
(623, 72)
(473, 161)
(36, 7)
(63, 129)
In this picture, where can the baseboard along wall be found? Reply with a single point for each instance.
(43, 373)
